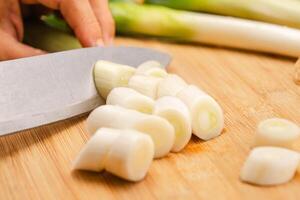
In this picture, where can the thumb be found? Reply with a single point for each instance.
(10, 48)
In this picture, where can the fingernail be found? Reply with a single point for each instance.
(99, 43)
(108, 40)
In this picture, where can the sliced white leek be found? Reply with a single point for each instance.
(148, 65)
(108, 75)
(170, 86)
(129, 98)
(160, 130)
(146, 85)
(151, 68)
(207, 115)
(124, 153)
(131, 155)
(93, 155)
(276, 132)
(177, 113)
(270, 166)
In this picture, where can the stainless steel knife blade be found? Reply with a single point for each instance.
(43, 89)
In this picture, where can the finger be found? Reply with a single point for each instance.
(10, 48)
(82, 20)
(15, 18)
(7, 26)
(5, 21)
(105, 19)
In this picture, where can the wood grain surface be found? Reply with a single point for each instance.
(250, 87)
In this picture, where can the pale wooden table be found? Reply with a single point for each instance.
(250, 87)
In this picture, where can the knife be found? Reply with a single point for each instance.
(44, 89)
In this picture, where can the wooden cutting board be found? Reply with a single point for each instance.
(250, 87)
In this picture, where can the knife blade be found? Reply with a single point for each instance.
(44, 89)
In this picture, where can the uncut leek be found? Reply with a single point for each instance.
(153, 20)
(164, 22)
(284, 12)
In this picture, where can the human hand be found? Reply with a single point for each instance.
(91, 21)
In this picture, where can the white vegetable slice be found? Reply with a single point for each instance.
(108, 75)
(276, 132)
(170, 86)
(94, 154)
(270, 166)
(160, 130)
(129, 98)
(151, 68)
(124, 153)
(148, 65)
(131, 155)
(177, 113)
(207, 115)
(146, 85)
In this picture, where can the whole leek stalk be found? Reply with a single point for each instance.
(159, 21)
(205, 28)
(284, 12)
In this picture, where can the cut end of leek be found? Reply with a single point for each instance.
(129, 98)
(206, 113)
(208, 119)
(276, 132)
(177, 114)
(130, 156)
(124, 153)
(170, 85)
(151, 68)
(161, 132)
(270, 166)
(108, 75)
(93, 155)
(103, 116)
(146, 85)
(112, 116)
